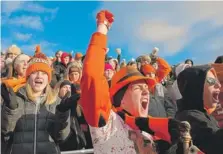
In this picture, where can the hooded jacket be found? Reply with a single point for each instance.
(175, 93)
(205, 132)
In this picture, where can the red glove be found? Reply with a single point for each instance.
(105, 17)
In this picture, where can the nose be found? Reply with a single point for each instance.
(218, 85)
(145, 90)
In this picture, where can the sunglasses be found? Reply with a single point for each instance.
(220, 97)
(212, 81)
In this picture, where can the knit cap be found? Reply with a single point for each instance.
(108, 66)
(39, 62)
(14, 50)
(78, 56)
(148, 69)
(19, 59)
(121, 80)
(64, 55)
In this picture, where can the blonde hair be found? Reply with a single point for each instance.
(51, 95)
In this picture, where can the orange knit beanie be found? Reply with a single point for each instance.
(39, 62)
(147, 68)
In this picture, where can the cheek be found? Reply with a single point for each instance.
(45, 79)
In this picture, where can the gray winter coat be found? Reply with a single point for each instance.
(34, 128)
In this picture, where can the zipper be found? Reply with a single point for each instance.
(35, 123)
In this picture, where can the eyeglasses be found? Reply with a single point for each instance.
(212, 81)
(220, 97)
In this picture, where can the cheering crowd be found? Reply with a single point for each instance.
(65, 103)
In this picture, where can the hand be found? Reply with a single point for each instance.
(9, 97)
(105, 17)
(154, 54)
(68, 102)
(177, 129)
(118, 51)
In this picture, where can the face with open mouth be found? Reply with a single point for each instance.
(38, 81)
(211, 91)
(22, 66)
(136, 99)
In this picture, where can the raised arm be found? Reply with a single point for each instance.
(163, 69)
(95, 99)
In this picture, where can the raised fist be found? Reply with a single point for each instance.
(105, 17)
(155, 51)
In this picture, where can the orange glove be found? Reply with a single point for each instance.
(105, 17)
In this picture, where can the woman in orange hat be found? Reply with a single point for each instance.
(34, 119)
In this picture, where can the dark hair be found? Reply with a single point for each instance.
(219, 60)
(187, 60)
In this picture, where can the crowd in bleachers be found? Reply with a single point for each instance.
(65, 103)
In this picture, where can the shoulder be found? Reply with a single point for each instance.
(191, 116)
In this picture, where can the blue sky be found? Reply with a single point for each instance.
(180, 30)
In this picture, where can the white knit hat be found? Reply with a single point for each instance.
(14, 50)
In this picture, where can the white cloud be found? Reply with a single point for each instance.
(169, 25)
(22, 37)
(10, 7)
(33, 22)
(28, 21)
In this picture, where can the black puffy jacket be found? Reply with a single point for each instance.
(34, 128)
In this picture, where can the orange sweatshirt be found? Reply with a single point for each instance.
(163, 69)
(95, 99)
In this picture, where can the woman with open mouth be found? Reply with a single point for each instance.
(200, 89)
(17, 72)
(34, 119)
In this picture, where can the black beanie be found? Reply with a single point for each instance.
(65, 82)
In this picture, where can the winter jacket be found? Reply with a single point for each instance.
(55, 63)
(205, 132)
(159, 90)
(60, 71)
(162, 106)
(77, 139)
(156, 107)
(109, 132)
(34, 127)
(4, 72)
